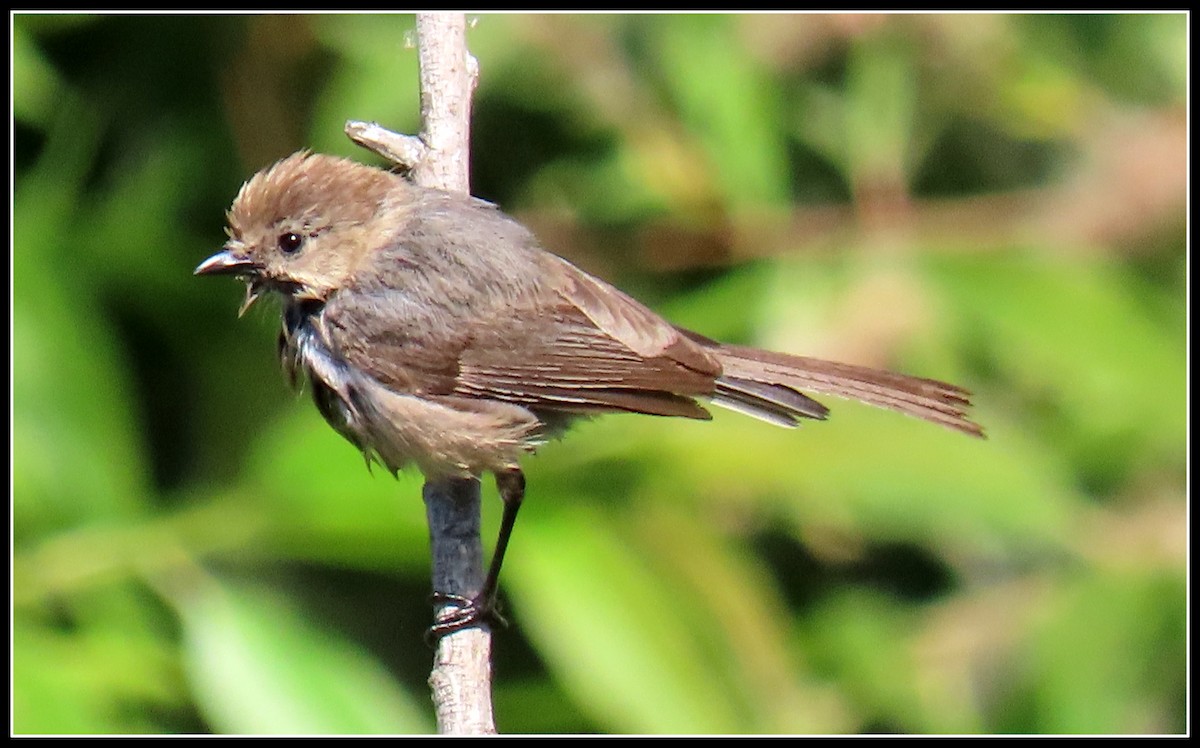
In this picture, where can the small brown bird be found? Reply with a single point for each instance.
(435, 331)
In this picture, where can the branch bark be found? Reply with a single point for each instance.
(439, 158)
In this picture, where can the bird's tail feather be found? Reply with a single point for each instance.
(769, 386)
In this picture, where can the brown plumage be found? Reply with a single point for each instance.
(435, 330)
(412, 303)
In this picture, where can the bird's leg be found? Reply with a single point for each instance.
(482, 607)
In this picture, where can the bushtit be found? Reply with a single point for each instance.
(435, 331)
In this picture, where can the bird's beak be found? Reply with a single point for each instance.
(227, 263)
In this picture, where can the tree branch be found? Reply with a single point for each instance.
(439, 158)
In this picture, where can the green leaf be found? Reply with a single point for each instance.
(621, 640)
(111, 671)
(322, 502)
(1072, 334)
(375, 77)
(259, 667)
(727, 101)
(35, 82)
(655, 624)
(879, 111)
(77, 450)
(859, 639)
(1110, 658)
(50, 694)
(740, 619)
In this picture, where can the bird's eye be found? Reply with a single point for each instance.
(290, 242)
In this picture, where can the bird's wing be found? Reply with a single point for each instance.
(578, 345)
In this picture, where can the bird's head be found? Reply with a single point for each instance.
(301, 226)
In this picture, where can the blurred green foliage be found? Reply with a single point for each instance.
(995, 200)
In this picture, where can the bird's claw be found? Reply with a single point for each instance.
(466, 613)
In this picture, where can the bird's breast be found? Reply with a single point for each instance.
(305, 354)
